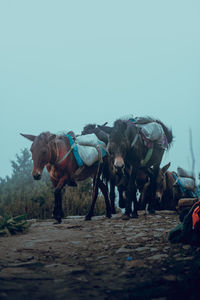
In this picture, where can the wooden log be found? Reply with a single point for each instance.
(186, 202)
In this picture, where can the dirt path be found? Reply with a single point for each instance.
(99, 259)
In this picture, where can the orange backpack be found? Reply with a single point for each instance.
(196, 218)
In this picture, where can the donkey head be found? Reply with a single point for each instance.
(118, 145)
(161, 183)
(89, 128)
(40, 150)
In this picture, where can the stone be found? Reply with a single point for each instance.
(140, 249)
(124, 250)
(170, 277)
(135, 264)
(157, 257)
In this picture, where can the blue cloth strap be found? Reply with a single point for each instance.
(103, 151)
(182, 188)
(75, 151)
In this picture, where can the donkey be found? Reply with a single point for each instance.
(128, 149)
(165, 191)
(168, 191)
(102, 132)
(56, 153)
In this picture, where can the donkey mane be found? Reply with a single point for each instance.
(117, 133)
(89, 127)
(45, 136)
(167, 131)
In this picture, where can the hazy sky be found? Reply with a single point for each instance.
(64, 64)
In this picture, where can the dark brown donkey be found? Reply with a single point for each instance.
(128, 149)
(56, 153)
(102, 132)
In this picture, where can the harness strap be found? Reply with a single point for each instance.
(147, 157)
(149, 152)
(135, 140)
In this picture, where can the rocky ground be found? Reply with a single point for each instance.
(99, 259)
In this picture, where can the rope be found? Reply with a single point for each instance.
(134, 140)
(97, 175)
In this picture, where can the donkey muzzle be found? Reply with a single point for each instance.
(37, 175)
(119, 165)
(158, 197)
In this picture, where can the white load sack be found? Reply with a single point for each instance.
(183, 173)
(152, 131)
(88, 140)
(127, 117)
(89, 155)
(87, 148)
(136, 120)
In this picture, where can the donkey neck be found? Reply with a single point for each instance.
(59, 150)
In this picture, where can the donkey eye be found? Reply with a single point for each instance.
(111, 152)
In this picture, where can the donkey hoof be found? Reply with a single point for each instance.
(109, 216)
(134, 216)
(57, 222)
(126, 217)
(87, 218)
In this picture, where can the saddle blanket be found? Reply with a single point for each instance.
(87, 146)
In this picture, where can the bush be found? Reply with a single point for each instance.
(20, 194)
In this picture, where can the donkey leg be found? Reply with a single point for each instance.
(128, 203)
(104, 189)
(131, 197)
(153, 186)
(135, 203)
(58, 212)
(112, 197)
(94, 198)
(122, 201)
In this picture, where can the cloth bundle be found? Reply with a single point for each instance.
(90, 148)
(186, 178)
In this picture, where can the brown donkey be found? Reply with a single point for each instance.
(56, 153)
(168, 192)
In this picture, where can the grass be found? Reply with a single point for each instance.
(13, 225)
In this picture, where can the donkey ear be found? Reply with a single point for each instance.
(29, 136)
(166, 167)
(52, 137)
